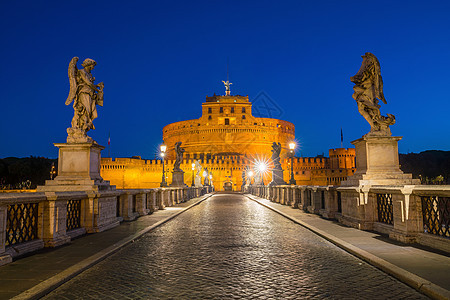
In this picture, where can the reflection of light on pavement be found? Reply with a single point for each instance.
(174, 208)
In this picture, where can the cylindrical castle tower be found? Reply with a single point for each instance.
(227, 128)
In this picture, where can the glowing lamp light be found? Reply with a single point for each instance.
(210, 176)
(262, 167)
(204, 173)
(163, 148)
(292, 145)
(162, 154)
(250, 173)
(193, 166)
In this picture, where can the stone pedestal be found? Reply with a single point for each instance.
(178, 179)
(198, 181)
(78, 169)
(277, 177)
(377, 163)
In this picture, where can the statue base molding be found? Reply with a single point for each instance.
(277, 178)
(78, 169)
(178, 179)
(377, 163)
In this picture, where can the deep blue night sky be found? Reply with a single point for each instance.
(159, 59)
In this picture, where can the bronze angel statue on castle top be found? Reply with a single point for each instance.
(368, 90)
(85, 96)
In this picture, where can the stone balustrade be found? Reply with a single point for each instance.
(31, 221)
(407, 213)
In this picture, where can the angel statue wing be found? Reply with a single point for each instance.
(73, 80)
(379, 83)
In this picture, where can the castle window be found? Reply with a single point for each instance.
(221, 109)
(227, 121)
(209, 118)
(232, 110)
(243, 110)
(209, 110)
(243, 117)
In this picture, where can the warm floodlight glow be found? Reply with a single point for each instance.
(210, 176)
(193, 166)
(163, 148)
(204, 173)
(250, 173)
(292, 145)
(162, 154)
(262, 167)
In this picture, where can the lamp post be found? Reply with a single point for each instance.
(210, 180)
(262, 168)
(291, 151)
(250, 175)
(205, 174)
(52, 171)
(163, 149)
(193, 169)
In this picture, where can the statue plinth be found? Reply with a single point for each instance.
(78, 169)
(198, 181)
(178, 178)
(377, 162)
(277, 177)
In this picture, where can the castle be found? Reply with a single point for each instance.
(226, 139)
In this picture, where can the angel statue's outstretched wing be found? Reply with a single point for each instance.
(73, 80)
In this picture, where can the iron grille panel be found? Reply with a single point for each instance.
(21, 223)
(322, 202)
(339, 202)
(436, 215)
(385, 209)
(73, 220)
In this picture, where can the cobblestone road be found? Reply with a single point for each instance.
(229, 247)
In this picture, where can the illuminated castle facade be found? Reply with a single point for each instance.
(226, 139)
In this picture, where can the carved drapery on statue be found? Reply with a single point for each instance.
(179, 152)
(368, 90)
(85, 96)
(276, 150)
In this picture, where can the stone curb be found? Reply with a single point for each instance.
(420, 284)
(55, 281)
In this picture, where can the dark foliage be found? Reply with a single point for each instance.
(427, 165)
(14, 171)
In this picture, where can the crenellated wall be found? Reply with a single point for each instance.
(135, 173)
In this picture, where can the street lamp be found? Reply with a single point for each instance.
(52, 171)
(163, 149)
(250, 175)
(262, 168)
(193, 168)
(205, 174)
(291, 151)
(210, 179)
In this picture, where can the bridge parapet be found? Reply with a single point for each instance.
(407, 213)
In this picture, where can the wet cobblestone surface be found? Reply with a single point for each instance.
(230, 247)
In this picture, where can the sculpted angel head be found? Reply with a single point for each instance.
(89, 63)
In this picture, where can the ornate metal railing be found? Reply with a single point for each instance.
(436, 215)
(21, 223)
(73, 220)
(322, 199)
(385, 209)
(339, 202)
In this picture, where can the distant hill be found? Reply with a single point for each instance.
(14, 171)
(429, 164)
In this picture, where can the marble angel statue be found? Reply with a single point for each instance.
(86, 95)
(368, 90)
